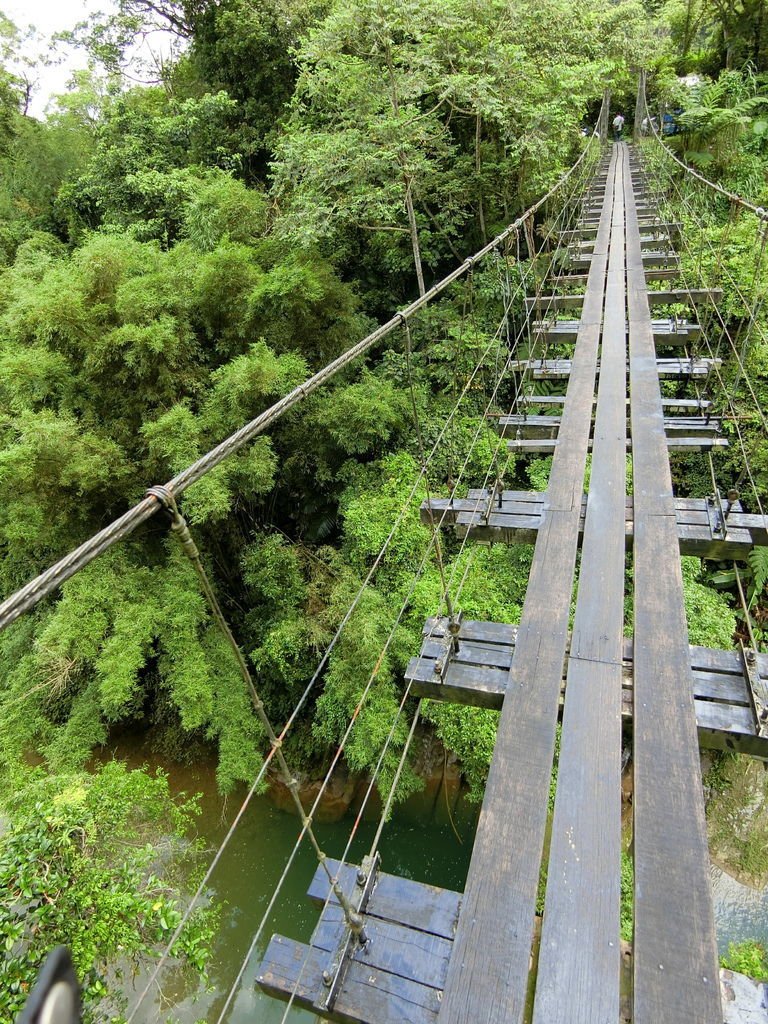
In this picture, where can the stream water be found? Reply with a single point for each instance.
(740, 911)
(419, 842)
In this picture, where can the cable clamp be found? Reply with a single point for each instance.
(164, 495)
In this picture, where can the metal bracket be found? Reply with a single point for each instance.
(449, 643)
(718, 520)
(495, 496)
(758, 691)
(333, 976)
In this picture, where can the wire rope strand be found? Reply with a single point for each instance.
(291, 857)
(304, 696)
(52, 578)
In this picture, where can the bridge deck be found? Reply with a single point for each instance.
(579, 958)
(488, 972)
(675, 958)
(675, 695)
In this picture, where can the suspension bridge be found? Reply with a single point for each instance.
(621, 337)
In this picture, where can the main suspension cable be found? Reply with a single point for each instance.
(34, 591)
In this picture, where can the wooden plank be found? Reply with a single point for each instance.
(516, 521)
(403, 901)
(488, 972)
(691, 297)
(674, 952)
(579, 958)
(665, 332)
(647, 242)
(670, 404)
(368, 996)
(524, 426)
(684, 445)
(480, 686)
(671, 229)
(651, 274)
(667, 369)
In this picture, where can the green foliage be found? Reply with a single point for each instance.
(421, 130)
(748, 957)
(121, 635)
(78, 865)
(711, 621)
(627, 896)
(470, 733)
(148, 163)
(717, 116)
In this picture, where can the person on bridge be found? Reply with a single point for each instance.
(618, 125)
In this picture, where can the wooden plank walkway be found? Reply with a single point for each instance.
(443, 958)
(514, 517)
(674, 955)
(728, 716)
(488, 972)
(579, 958)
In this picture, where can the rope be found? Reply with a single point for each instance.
(181, 531)
(388, 741)
(34, 591)
(758, 211)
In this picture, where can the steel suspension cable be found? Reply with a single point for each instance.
(291, 858)
(34, 591)
(315, 676)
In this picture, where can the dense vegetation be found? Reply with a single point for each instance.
(175, 257)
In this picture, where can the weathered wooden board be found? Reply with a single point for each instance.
(667, 369)
(579, 957)
(527, 426)
(397, 976)
(477, 675)
(514, 517)
(665, 332)
(423, 907)
(651, 274)
(662, 228)
(650, 259)
(488, 972)
(666, 297)
(685, 445)
(368, 996)
(674, 953)
(670, 404)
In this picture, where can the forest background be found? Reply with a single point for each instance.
(176, 255)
